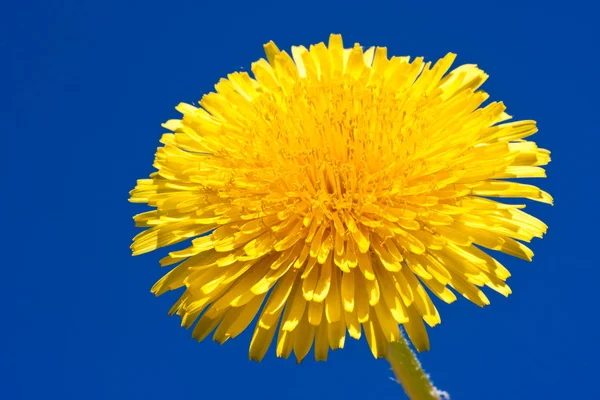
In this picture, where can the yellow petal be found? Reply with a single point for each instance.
(303, 339)
(321, 342)
(416, 330)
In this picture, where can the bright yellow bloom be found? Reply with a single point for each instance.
(332, 189)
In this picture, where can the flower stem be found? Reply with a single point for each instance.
(409, 372)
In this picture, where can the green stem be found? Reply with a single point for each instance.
(409, 372)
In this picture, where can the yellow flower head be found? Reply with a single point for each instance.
(336, 189)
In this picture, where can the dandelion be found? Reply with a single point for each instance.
(332, 194)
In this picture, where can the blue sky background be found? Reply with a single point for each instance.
(84, 87)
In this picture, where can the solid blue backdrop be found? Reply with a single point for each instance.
(85, 86)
